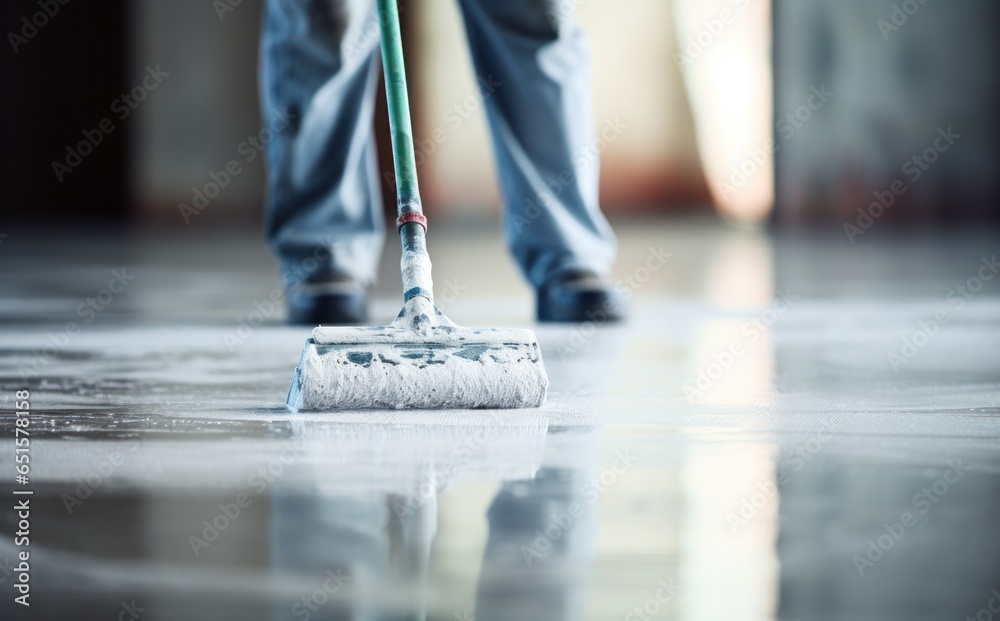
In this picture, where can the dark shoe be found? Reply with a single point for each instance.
(340, 301)
(579, 297)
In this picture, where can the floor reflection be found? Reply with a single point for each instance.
(507, 520)
(867, 534)
(370, 551)
(781, 492)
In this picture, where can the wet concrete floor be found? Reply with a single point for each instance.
(788, 427)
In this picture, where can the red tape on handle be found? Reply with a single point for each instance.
(406, 218)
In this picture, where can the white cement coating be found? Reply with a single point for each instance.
(421, 360)
(764, 486)
(443, 377)
(415, 270)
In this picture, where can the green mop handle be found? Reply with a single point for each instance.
(411, 223)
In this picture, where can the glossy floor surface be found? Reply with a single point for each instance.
(788, 427)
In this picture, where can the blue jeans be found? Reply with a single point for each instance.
(320, 67)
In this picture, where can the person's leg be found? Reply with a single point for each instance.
(324, 219)
(537, 62)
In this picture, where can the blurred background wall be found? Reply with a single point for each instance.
(194, 122)
(206, 108)
(62, 74)
(650, 159)
(709, 115)
(897, 72)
